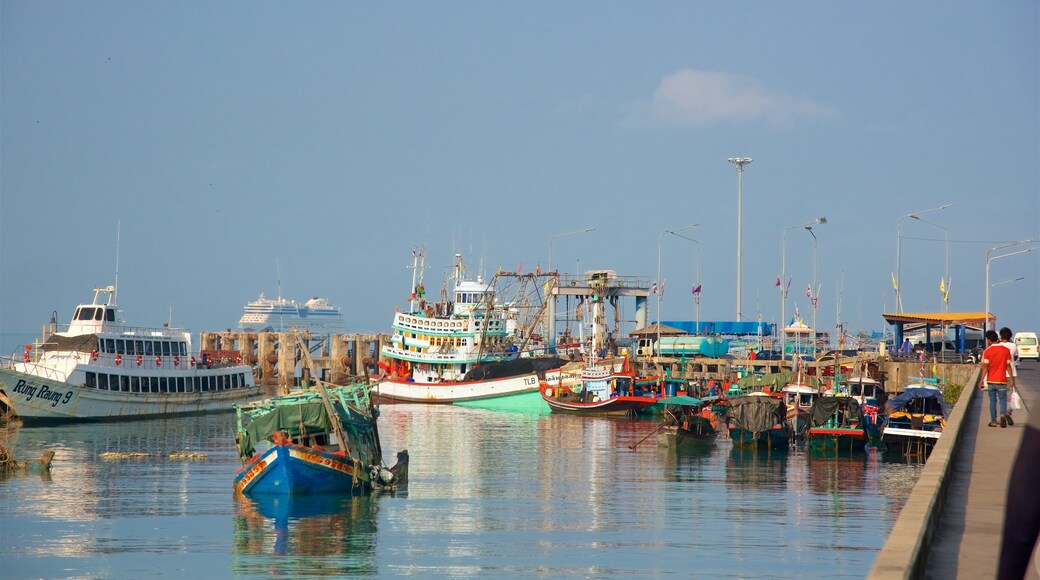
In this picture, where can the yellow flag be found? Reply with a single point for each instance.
(942, 285)
(894, 285)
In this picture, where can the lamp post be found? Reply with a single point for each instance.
(783, 278)
(697, 294)
(551, 319)
(659, 289)
(946, 269)
(899, 236)
(740, 162)
(813, 291)
(989, 258)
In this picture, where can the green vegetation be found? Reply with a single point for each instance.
(952, 391)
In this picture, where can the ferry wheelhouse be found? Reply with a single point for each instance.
(436, 348)
(99, 368)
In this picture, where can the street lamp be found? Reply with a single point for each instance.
(989, 258)
(899, 236)
(783, 278)
(659, 289)
(740, 162)
(551, 318)
(813, 291)
(946, 271)
(697, 293)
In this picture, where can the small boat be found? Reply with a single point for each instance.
(872, 398)
(688, 424)
(313, 441)
(99, 368)
(837, 424)
(758, 421)
(601, 390)
(10, 465)
(799, 398)
(916, 418)
(453, 350)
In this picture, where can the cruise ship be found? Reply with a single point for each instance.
(316, 316)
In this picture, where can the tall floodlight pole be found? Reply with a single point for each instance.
(813, 291)
(697, 284)
(989, 258)
(551, 319)
(896, 278)
(659, 285)
(740, 162)
(783, 279)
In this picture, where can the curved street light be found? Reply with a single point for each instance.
(897, 278)
(659, 289)
(697, 294)
(989, 258)
(783, 278)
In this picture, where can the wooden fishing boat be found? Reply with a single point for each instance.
(601, 390)
(872, 398)
(758, 421)
(836, 424)
(687, 424)
(799, 398)
(916, 419)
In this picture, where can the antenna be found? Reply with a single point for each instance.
(115, 294)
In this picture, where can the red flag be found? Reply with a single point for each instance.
(808, 291)
(778, 281)
(653, 288)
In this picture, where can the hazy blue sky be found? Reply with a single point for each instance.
(332, 137)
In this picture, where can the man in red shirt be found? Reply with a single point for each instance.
(996, 367)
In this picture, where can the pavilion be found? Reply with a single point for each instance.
(959, 321)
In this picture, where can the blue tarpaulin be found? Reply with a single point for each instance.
(721, 327)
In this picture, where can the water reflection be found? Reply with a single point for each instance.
(305, 535)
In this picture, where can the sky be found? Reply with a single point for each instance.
(224, 149)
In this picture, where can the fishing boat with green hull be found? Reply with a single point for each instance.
(837, 424)
(318, 440)
(688, 424)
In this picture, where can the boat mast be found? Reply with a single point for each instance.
(113, 297)
(415, 271)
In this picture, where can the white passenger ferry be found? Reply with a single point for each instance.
(99, 368)
(452, 350)
(317, 316)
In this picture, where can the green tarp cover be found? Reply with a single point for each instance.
(682, 400)
(826, 406)
(775, 381)
(307, 417)
(756, 413)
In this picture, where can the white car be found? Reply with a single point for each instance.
(1026, 342)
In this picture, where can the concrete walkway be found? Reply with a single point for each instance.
(967, 539)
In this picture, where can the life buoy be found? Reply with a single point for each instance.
(158, 361)
(119, 360)
(26, 356)
(93, 354)
(192, 360)
(139, 359)
(238, 359)
(176, 360)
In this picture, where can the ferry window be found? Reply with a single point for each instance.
(110, 345)
(91, 381)
(99, 314)
(180, 384)
(140, 346)
(110, 315)
(86, 314)
(184, 349)
(148, 348)
(196, 384)
(124, 383)
(234, 381)
(205, 383)
(166, 349)
(120, 346)
(164, 386)
(102, 382)
(135, 384)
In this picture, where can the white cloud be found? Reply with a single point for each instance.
(693, 98)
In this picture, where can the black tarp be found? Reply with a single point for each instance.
(756, 413)
(80, 343)
(512, 368)
(825, 407)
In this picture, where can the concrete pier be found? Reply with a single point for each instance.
(952, 523)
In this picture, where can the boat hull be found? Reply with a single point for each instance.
(777, 438)
(38, 399)
(837, 439)
(298, 470)
(679, 439)
(395, 390)
(614, 406)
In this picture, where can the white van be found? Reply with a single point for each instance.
(1027, 345)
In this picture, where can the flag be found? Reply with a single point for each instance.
(520, 268)
(653, 288)
(778, 281)
(538, 269)
(942, 285)
(663, 282)
(697, 289)
(808, 291)
(894, 285)
(796, 311)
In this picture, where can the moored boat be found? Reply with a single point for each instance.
(916, 418)
(601, 390)
(758, 421)
(99, 368)
(313, 441)
(687, 424)
(799, 398)
(836, 424)
(872, 398)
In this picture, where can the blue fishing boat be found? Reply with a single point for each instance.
(758, 421)
(836, 424)
(916, 419)
(313, 441)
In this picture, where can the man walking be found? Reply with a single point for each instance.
(996, 367)
(1005, 341)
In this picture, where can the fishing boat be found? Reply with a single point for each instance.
(837, 424)
(99, 368)
(687, 424)
(317, 316)
(916, 418)
(799, 398)
(872, 398)
(438, 351)
(758, 421)
(601, 390)
(313, 441)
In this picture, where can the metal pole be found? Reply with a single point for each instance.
(813, 290)
(740, 162)
(551, 321)
(899, 237)
(990, 258)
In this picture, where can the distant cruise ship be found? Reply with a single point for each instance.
(316, 315)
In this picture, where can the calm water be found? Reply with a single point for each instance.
(491, 493)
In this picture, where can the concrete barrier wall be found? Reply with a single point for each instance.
(905, 552)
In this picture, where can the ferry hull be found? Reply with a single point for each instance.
(38, 399)
(395, 390)
(298, 470)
